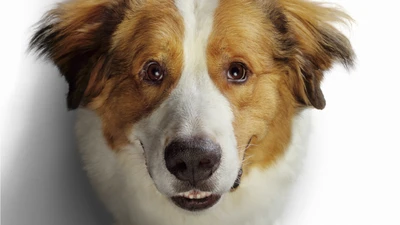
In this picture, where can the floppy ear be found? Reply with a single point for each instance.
(76, 36)
(313, 44)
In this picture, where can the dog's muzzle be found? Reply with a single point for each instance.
(193, 161)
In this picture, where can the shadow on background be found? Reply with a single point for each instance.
(43, 182)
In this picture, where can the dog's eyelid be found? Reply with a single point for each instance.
(237, 72)
(153, 72)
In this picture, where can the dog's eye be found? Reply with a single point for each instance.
(154, 72)
(237, 72)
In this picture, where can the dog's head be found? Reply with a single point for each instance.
(203, 85)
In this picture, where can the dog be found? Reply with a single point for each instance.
(193, 111)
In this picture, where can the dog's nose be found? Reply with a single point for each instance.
(193, 159)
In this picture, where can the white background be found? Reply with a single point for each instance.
(351, 175)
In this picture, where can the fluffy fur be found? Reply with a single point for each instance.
(126, 120)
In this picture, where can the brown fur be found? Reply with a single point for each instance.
(103, 69)
(287, 45)
(318, 46)
(101, 46)
(76, 36)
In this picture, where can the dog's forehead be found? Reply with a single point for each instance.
(219, 31)
(198, 17)
(201, 29)
(188, 101)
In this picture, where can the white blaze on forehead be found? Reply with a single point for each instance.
(200, 102)
(198, 17)
(196, 107)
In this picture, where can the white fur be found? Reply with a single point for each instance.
(195, 107)
(125, 186)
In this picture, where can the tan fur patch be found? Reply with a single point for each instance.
(145, 35)
(101, 47)
(273, 39)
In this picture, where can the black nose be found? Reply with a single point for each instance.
(193, 159)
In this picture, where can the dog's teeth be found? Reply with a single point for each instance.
(195, 194)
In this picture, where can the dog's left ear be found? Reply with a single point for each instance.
(76, 36)
(311, 45)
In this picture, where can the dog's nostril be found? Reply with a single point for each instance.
(192, 159)
(181, 166)
(205, 163)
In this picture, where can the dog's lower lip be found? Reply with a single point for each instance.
(196, 204)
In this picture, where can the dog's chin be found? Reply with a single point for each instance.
(195, 200)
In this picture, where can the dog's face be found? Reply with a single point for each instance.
(209, 88)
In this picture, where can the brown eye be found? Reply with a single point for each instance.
(154, 72)
(237, 72)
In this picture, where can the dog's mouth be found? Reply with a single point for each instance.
(195, 200)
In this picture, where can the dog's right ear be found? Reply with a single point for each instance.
(309, 44)
(317, 45)
(76, 36)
